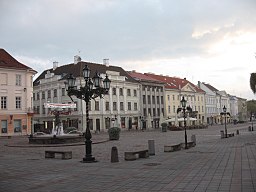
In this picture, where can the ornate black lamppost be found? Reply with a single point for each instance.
(225, 121)
(185, 110)
(91, 90)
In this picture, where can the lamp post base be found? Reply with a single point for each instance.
(89, 160)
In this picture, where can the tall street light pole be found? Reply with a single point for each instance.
(185, 110)
(91, 90)
(225, 114)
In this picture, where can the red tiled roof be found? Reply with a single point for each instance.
(173, 82)
(7, 61)
(143, 77)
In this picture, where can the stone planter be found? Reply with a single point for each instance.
(114, 133)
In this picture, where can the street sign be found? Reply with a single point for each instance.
(59, 105)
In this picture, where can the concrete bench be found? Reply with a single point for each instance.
(231, 134)
(130, 156)
(189, 144)
(64, 154)
(171, 148)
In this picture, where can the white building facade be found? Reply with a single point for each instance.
(120, 107)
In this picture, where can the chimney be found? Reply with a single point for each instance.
(55, 65)
(77, 59)
(106, 62)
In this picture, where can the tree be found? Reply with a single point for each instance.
(251, 107)
(253, 82)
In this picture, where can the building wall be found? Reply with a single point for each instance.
(100, 118)
(10, 90)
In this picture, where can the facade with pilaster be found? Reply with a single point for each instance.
(120, 107)
(175, 88)
(16, 87)
(152, 101)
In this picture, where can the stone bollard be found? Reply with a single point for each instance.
(237, 132)
(114, 155)
(151, 147)
(193, 139)
(221, 134)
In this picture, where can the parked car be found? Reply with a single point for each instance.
(39, 133)
(75, 132)
(68, 129)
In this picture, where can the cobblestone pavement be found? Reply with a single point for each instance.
(214, 164)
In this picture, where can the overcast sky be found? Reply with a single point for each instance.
(212, 41)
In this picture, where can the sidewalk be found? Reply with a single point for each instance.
(213, 165)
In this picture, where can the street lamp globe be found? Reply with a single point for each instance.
(71, 81)
(106, 83)
(183, 102)
(96, 80)
(86, 72)
(224, 109)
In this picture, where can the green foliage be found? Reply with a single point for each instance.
(164, 124)
(114, 133)
(251, 106)
(253, 82)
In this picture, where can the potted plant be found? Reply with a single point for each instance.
(114, 133)
(164, 126)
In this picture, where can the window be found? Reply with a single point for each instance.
(107, 106)
(121, 106)
(114, 106)
(4, 126)
(135, 106)
(34, 96)
(97, 105)
(114, 91)
(55, 93)
(38, 109)
(129, 106)
(43, 95)
(162, 99)
(154, 112)
(3, 77)
(144, 99)
(157, 99)
(173, 97)
(4, 102)
(63, 91)
(37, 96)
(121, 92)
(169, 109)
(128, 92)
(149, 101)
(18, 102)
(18, 79)
(43, 110)
(75, 109)
(17, 126)
(135, 93)
(168, 97)
(153, 99)
(49, 94)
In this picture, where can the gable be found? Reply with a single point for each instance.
(188, 88)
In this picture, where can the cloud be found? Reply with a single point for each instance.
(172, 37)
